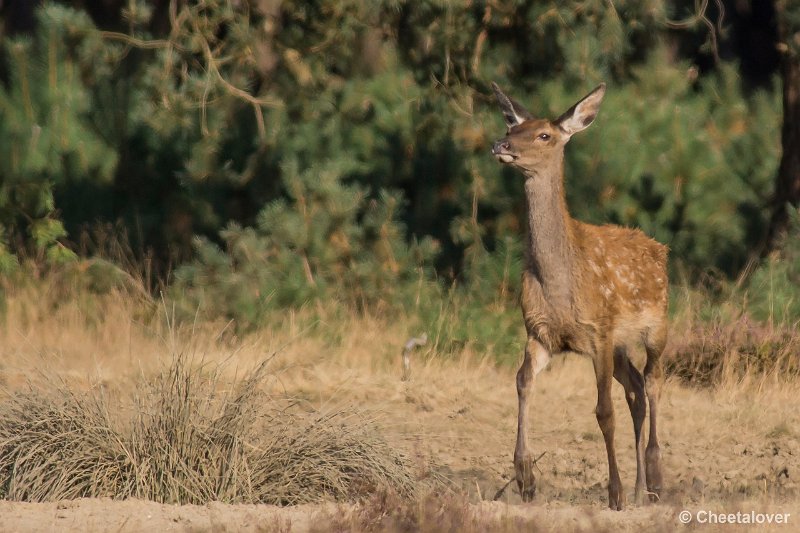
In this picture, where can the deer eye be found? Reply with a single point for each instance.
(543, 136)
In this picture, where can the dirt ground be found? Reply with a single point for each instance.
(736, 448)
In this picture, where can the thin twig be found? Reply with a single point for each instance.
(147, 44)
(499, 493)
(701, 6)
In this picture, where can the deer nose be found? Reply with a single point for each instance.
(501, 146)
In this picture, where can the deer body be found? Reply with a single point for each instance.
(623, 294)
(594, 290)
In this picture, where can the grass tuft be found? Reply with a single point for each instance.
(188, 436)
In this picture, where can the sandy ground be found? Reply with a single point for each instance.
(733, 449)
(136, 515)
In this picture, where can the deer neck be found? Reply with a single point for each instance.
(550, 251)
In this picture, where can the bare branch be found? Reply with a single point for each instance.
(699, 17)
(139, 43)
(212, 60)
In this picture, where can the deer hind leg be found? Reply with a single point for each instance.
(536, 359)
(633, 383)
(653, 380)
(604, 370)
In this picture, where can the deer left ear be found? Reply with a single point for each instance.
(582, 114)
(513, 111)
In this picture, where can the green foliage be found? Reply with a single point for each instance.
(458, 321)
(282, 153)
(773, 289)
(45, 137)
(523, 41)
(326, 240)
(682, 161)
(8, 261)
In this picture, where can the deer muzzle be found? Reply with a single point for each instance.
(502, 151)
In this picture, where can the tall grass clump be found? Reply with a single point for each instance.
(188, 436)
(710, 352)
(57, 444)
(772, 292)
(738, 331)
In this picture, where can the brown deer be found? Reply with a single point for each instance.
(593, 290)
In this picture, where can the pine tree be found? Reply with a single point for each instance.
(183, 119)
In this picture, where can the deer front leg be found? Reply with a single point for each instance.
(536, 359)
(604, 370)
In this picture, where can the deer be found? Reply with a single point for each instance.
(586, 289)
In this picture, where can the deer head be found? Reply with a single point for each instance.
(532, 142)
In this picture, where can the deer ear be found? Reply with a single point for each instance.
(581, 115)
(513, 111)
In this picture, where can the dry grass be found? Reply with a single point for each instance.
(714, 352)
(721, 345)
(188, 436)
(124, 418)
(385, 512)
(57, 445)
(452, 512)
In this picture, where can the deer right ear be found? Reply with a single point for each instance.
(513, 111)
(582, 114)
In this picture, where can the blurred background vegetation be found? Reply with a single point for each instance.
(248, 156)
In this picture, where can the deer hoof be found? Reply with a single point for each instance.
(616, 500)
(526, 480)
(638, 497)
(653, 473)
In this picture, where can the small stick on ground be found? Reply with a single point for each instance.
(411, 343)
(499, 493)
